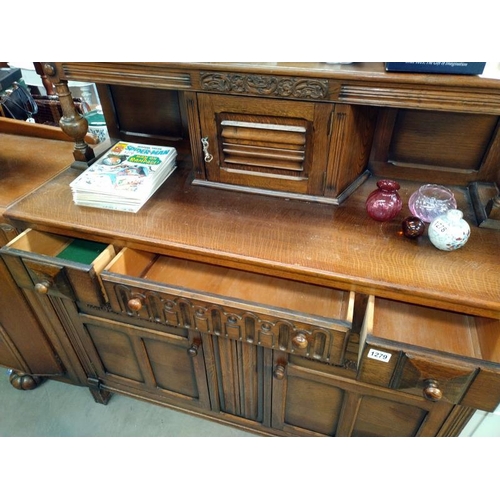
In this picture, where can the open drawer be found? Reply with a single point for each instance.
(430, 352)
(58, 266)
(300, 318)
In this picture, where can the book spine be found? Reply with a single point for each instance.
(458, 68)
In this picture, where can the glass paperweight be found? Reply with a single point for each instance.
(430, 201)
(413, 227)
(384, 203)
(449, 231)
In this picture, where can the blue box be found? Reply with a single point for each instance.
(456, 68)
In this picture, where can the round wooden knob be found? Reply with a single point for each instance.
(300, 341)
(193, 350)
(431, 390)
(42, 287)
(279, 372)
(135, 304)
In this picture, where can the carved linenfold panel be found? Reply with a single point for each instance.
(265, 85)
(247, 326)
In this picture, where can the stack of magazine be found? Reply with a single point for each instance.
(125, 177)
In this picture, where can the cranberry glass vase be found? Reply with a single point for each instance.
(384, 203)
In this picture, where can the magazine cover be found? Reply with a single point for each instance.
(125, 177)
(126, 170)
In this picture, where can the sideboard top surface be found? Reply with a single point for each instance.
(18, 171)
(337, 246)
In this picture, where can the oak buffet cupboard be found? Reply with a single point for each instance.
(252, 288)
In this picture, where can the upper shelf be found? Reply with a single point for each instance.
(357, 83)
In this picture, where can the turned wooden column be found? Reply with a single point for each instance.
(72, 123)
(49, 87)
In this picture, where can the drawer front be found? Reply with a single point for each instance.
(377, 363)
(484, 392)
(245, 323)
(434, 379)
(34, 259)
(431, 353)
(49, 278)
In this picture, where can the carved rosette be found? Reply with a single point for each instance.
(264, 85)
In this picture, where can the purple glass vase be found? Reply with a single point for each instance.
(384, 203)
(431, 201)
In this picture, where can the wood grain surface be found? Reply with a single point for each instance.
(335, 246)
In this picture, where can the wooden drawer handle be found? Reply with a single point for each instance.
(193, 350)
(42, 287)
(135, 304)
(432, 392)
(279, 372)
(300, 341)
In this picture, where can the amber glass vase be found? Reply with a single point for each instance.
(384, 203)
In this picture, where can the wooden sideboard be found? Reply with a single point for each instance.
(253, 288)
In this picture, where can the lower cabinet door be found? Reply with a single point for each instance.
(240, 379)
(309, 401)
(24, 345)
(153, 364)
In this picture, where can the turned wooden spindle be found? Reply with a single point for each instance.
(72, 123)
(49, 87)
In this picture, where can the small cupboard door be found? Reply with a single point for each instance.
(150, 363)
(308, 401)
(265, 144)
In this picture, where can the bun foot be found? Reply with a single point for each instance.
(24, 381)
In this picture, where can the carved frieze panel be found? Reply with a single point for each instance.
(265, 85)
(248, 326)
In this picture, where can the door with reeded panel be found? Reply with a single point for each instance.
(265, 143)
(310, 399)
(240, 379)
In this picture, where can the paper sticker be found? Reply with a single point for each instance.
(379, 355)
